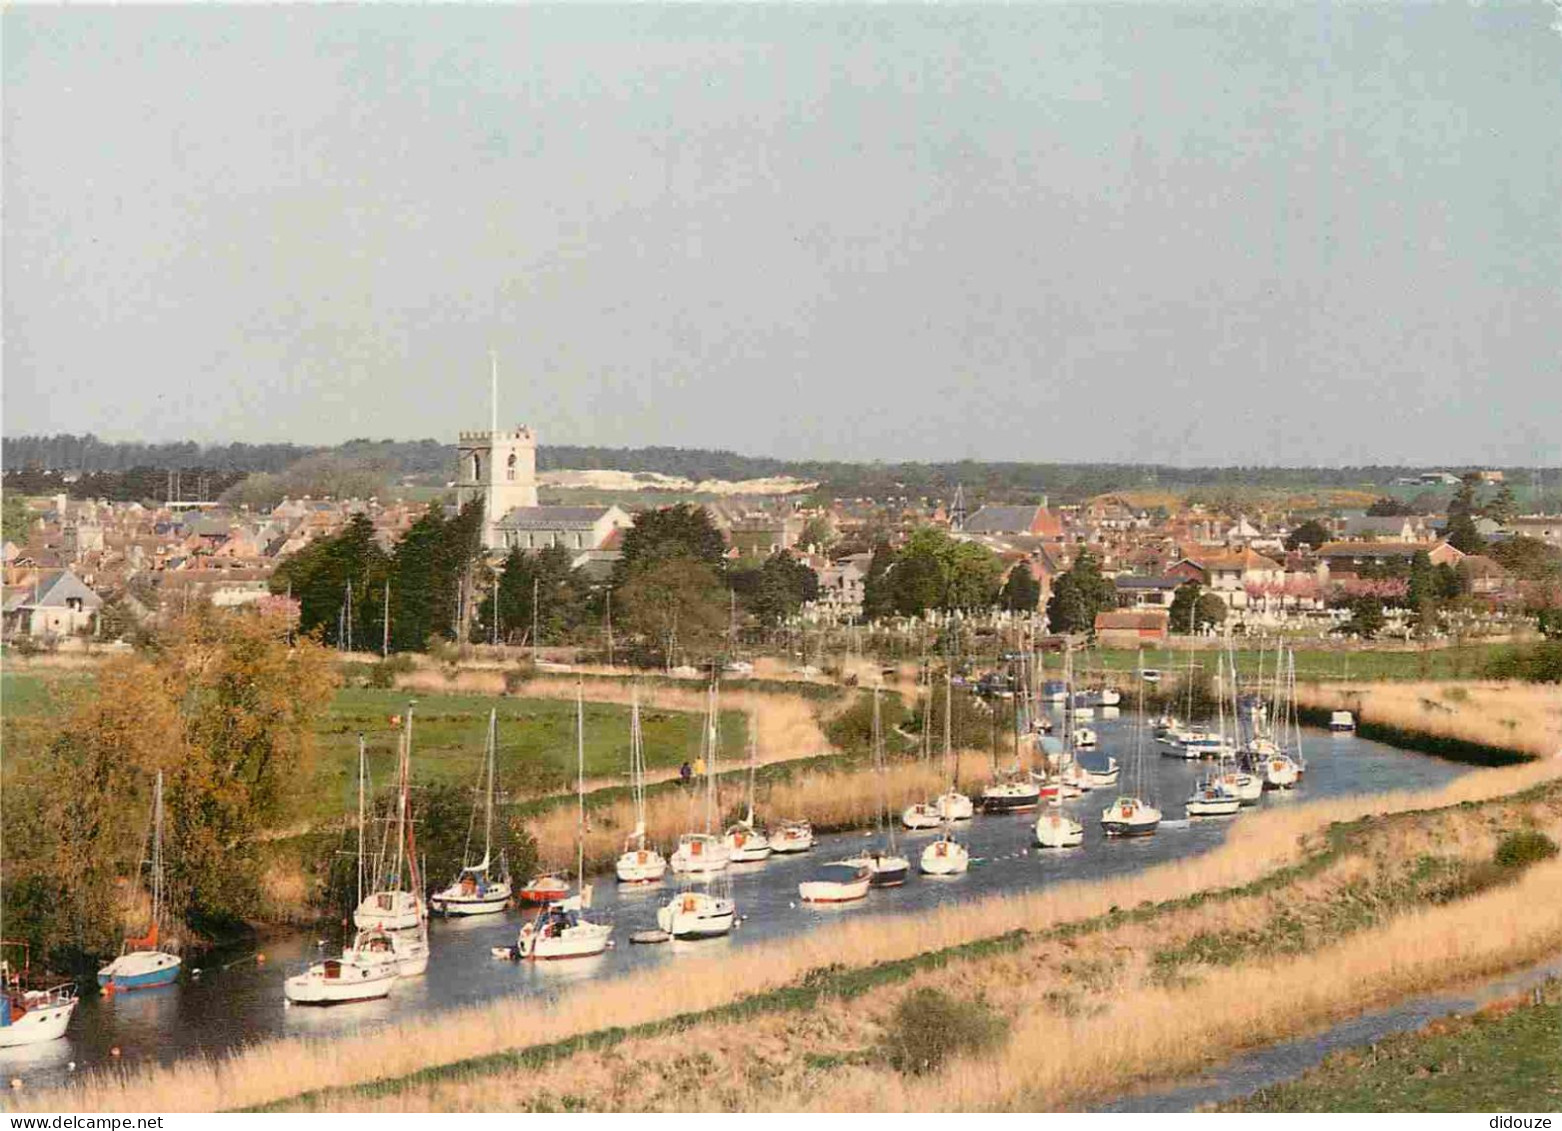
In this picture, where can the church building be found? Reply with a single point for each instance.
(499, 467)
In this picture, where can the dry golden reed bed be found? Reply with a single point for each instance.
(1518, 716)
(1256, 846)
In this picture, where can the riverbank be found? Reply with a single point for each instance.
(1506, 1056)
(1267, 853)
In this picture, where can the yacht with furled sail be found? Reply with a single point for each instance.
(562, 929)
(705, 853)
(395, 904)
(952, 805)
(746, 843)
(1211, 797)
(141, 965)
(887, 867)
(474, 891)
(640, 862)
(1132, 814)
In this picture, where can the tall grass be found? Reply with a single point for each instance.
(1504, 716)
(284, 1068)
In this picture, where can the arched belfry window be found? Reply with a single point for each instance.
(510, 467)
(477, 467)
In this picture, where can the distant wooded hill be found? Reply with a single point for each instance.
(1063, 482)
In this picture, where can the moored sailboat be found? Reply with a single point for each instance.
(1131, 814)
(474, 891)
(395, 904)
(640, 862)
(885, 864)
(141, 965)
(31, 1015)
(562, 930)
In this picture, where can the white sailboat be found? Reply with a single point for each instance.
(474, 891)
(1131, 814)
(31, 1016)
(794, 835)
(1015, 791)
(562, 930)
(141, 965)
(705, 853)
(1210, 797)
(639, 863)
(885, 864)
(747, 844)
(369, 968)
(395, 904)
(946, 856)
(840, 882)
(952, 805)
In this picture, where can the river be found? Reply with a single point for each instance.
(236, 999)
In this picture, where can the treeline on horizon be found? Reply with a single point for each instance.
(34, 464)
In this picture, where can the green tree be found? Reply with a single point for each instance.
(878, 597)
(1079, 593)
(1389, 507)
(677, 608)
(1193, 608)
(1021, 591)
(1462, 533)
(1529, 559)
(1503, 506)
(318, 577)
(682, 531)
(15, 519)
(1366, 617)
(1311, 533)
(818, 531)
(428, 571)
(777, 589)
(933, 571)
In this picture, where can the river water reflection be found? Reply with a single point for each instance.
(236, 1000)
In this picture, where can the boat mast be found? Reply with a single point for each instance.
(403, 768)
(488, 805)
(157, 853)
(637, 761)
(360, 818)
(712, 737)
(949, 683)
(580, 787)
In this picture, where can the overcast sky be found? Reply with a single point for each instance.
(1183, 233)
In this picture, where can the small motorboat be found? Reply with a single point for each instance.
(1084, 738)
(841, 882)
(340, 981)
(405, 952)
(922, 815)
(544, 889)
(1129, 816)
(792, 836)
(700, 854)
(697, 915)
(946, 856)
(1342, 722)
(473, 893)
(1205, 744)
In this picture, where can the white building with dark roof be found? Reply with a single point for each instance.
(577, 529)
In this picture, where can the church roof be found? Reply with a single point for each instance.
(553, 518)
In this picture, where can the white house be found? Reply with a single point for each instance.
(56, 603)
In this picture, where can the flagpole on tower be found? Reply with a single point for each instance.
(493, 392)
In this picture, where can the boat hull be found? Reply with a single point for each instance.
(1059, 832)
(697, 916)
(641, 867)
(955, 807)
(140, 970)
(581, 945)
(826, 891)
(792, 840)
(453, 903)
(339, 983)
(41, 1022)
(389, 911)
(945, 858)
(1010, 800)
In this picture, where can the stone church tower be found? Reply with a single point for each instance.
(498, 467)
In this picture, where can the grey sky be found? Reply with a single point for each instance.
(1181, 233)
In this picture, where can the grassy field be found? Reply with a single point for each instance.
(536, 737)
(1505, 1057)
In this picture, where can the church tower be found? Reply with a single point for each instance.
(498, 467)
